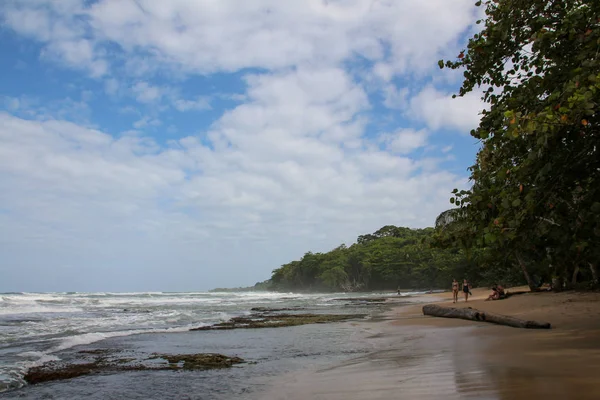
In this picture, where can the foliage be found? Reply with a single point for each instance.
(535, 200)
(258, 287)
(390, 258)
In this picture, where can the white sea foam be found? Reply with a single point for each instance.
(37, 358)
(36, 309)
(37, 326)
(12, 376)
(92, 337)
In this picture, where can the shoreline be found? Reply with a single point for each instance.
(421, 357)
(395, 353)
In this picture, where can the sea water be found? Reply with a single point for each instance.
(39, 327)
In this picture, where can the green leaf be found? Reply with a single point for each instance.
(516, 202)
(451, 200)
(489, 237)
(441, 64)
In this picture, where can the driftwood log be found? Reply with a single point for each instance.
(476, 315)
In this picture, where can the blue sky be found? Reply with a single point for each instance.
(190, 144)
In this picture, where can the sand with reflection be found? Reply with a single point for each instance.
(418, 357)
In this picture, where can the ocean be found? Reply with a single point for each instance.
(36, 328)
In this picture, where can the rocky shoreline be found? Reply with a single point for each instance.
(110, 361)
(106, 361)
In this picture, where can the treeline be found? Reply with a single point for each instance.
(258, 287)
(390, 258)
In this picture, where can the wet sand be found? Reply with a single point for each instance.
(420, 357)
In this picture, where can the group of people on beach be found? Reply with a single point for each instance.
(497, 291)
(466, 288)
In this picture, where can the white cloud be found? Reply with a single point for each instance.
(146, 122)
(65, 38)
(277, 170)
(394, 97)
(439, 110)
(288, 169)
(77, 53)
(204, 36)
(33, 107)
(201, 103)
(383, 71)
(162, 96)
(147, 93)
(406, 140)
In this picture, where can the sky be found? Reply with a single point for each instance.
(189, 144)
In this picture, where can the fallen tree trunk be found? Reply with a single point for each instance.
(476, 315)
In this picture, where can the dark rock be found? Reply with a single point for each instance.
(54, 371)
(98, 351)
(267, 309)
(200, 361)
(363, 299)
(277, 321)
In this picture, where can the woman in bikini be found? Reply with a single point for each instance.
(454, 290)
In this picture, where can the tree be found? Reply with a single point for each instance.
(536, 180)
(391, 257)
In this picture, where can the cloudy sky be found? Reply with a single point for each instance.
(188, 144)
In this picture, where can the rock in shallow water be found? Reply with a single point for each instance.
(199, 361)
(277, 321)
(54, 371)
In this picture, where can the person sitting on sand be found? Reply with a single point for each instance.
(466, 289)
(497, 293)
(454, 290)
(494, 295)
(500, 290)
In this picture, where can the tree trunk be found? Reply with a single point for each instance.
(594, 273)
(530, 283)
(476, 315)
(558, 281)
(574, 278)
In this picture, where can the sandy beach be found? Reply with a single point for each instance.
(420, 357)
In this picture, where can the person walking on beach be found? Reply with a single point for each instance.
(466, 289)
(454, 290)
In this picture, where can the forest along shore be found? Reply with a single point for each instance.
(420, 357)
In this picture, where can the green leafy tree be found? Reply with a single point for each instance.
(391, 257)
(536, 189)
